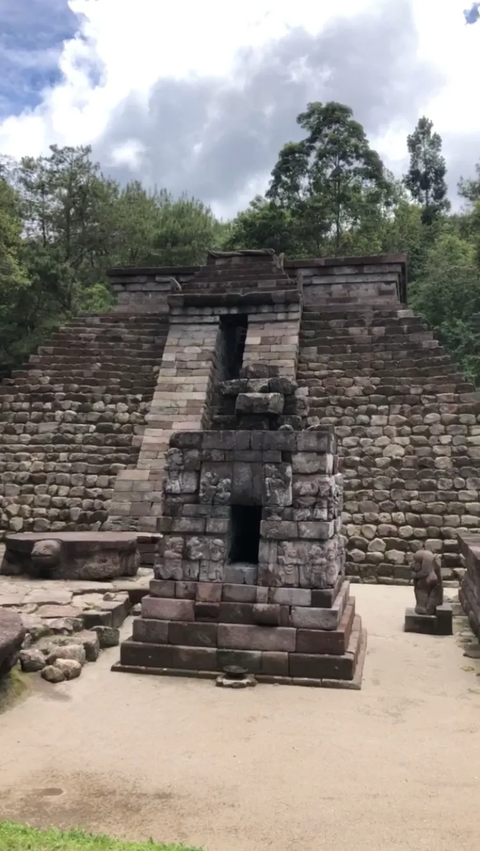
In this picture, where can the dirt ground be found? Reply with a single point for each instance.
(395, 766)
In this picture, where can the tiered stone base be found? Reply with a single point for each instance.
(292, 636)
(470, 587)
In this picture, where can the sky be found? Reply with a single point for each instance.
(199, 96)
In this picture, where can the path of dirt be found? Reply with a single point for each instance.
(395, 766)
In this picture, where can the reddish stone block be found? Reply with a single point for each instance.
(327, 641)
(317, 667)
(251, 660)
(162, 588)
(185, 590)
(324, 598)
(267, 614)
(209, 592)
(168, 610)
(239, 593)
(244, 637)
(207, 611)
(194, 658)
(236, 613)
(193, 634)
(151, 631)
(275, 664)
(145, 655)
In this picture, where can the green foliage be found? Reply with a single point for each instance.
(426, 176)
(16, 837)
(447, 295)
(63, 224)
(331, 180)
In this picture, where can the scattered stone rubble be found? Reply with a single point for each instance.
(61, 625)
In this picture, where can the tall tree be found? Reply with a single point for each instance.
(186, 229)
(332, 177)
(425, 179)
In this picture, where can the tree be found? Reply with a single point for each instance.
(425, 179)
(331, 178)
(264, 224)
(186, 229)
(447, 295)
(13, 278)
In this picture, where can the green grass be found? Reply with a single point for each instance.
(13, 688)
(17, 837)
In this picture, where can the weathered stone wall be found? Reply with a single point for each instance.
(146, 290)
(293, 478)
(352, 281)
(470, 586)
(409, 432)
(72, 419)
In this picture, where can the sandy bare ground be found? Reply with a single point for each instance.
(395, 766)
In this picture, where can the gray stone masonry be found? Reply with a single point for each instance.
(250, 571)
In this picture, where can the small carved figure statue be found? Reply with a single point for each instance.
(427, 581)
(45, 556)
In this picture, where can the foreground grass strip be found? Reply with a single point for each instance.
(17, 837)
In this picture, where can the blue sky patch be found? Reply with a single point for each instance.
(31, 37)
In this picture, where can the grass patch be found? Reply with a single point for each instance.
(14, 687)
(17, 837)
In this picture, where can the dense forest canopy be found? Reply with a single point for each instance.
(63, 223)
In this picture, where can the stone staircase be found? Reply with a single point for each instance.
(73, 417)
(408, 427)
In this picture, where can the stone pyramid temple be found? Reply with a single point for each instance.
(271, 430)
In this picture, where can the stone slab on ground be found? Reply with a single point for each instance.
(56, 606)
(71, 555)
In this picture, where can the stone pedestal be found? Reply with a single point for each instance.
(71, 555)
(440, 623)
(251, 567)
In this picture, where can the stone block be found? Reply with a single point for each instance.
(244, 637)
(207, 611)
(185, 590)
(278, 529)
(266, 614)
(208, 592)
(241, 574)
(168, 610)
(259, 403)
(193, 634)
(317, 667)
(151, 631)
(277, 485)
(420, 623)
(311, 618)
(162, 588)
(236, 612)
(290, 596)
(194, 658)
(145, 655)
(327, 641)
(275, 664)
(239, 593)
(250, 660)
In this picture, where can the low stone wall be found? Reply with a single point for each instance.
(470, 587)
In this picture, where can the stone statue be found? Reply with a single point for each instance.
(427, 581)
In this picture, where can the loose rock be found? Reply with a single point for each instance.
(70, 651)
(108, 636)
(52, 674)
(32, 660)
(69, 668)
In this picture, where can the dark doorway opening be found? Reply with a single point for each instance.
(245, 533)
(234, 334)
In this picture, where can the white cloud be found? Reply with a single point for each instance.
(133, 45)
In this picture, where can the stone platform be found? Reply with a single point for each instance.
(96, 556)
(292, 636)
(440, 623)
